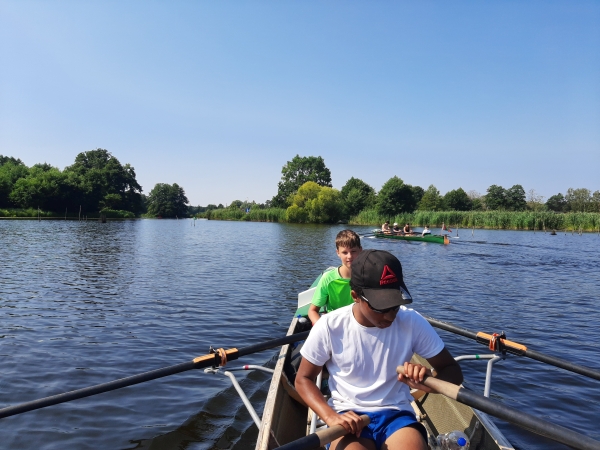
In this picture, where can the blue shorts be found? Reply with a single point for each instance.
(386, 422)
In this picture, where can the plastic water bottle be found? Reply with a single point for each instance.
(455, 440)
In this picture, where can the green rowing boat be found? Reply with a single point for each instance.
(438, 239)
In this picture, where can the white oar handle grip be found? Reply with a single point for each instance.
(439, 386)
(330, 434)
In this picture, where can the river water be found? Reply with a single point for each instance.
(83, 303)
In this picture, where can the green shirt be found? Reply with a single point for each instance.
(333, 291)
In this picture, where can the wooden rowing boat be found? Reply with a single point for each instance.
(436, 238)
(286, 418)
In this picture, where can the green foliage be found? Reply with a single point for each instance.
(315, 204)
(457, 200)
(395, 197)
(297, 172)
(11, 170)
(579, 200)
(431, 200)
(167, 200)
(357, 195)
(255, 215)
(512, 199)
(515, 198)
(97, 174)
(504, 220)
(557, 203)
(418, 193)
(495, 197)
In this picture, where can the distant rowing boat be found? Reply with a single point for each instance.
(436, 238)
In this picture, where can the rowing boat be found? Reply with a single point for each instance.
(286, 418)
(436, 238)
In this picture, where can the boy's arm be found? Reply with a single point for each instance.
(446, 368)
(310, 393)
(313, 313)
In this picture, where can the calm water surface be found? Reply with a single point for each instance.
(83, 303)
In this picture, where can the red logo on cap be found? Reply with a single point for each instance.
(388, 276)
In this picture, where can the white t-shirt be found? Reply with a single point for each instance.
(362, 360)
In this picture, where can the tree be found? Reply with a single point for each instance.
(457, 200)
(515, 198)
(316, 204)
(418, 193)
(357, 195)
(495, 197)
(557, 203)
(395, 197)
(579, 200)
(45, 187)
(167, 200)
(477, 201)
(535, 202)
(96, 174)
(297, 172)
(431, 200)
(11, 170)
(596, 201)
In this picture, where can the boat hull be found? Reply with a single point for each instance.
(434, 238)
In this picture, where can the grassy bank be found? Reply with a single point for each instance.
(502, 220)
(31, 213)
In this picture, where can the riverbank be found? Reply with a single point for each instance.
(31, 213)
(494, 220)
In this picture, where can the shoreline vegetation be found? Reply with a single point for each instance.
(495, 220)
(98, 186)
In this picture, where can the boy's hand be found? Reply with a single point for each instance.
(413, 376)
(351, 422)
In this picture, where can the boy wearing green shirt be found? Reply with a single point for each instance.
(333, 290)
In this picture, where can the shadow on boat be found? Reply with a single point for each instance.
(223, 422)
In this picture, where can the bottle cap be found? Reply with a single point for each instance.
(461, 441)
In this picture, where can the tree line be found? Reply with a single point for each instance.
(306, 193)
(95, 183)
(98, 183)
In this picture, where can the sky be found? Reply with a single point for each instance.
(218, 96)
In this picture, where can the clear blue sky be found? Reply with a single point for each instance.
(217, 95)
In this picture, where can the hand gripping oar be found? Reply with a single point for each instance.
(220, 357)
(498, 343)
(538, 426)
(321, 437)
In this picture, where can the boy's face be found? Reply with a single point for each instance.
(347, 255)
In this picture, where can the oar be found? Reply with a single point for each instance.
(538, 426)
(320, 438)
(212, 359)
(516, 349)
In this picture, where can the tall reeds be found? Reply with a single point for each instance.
(501, 220)
(255, 215)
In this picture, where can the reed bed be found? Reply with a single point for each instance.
(501, 220)
(255, 215)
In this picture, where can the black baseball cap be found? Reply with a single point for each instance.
(379, 274)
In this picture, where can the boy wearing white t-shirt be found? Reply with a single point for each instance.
(361, 345)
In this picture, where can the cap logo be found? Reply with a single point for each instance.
(388, 276)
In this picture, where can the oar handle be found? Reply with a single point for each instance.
(527, 421)
(321, 438)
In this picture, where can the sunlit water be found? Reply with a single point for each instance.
(83, 303)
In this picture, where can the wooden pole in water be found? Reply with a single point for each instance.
(65, 213)
(80, 213)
